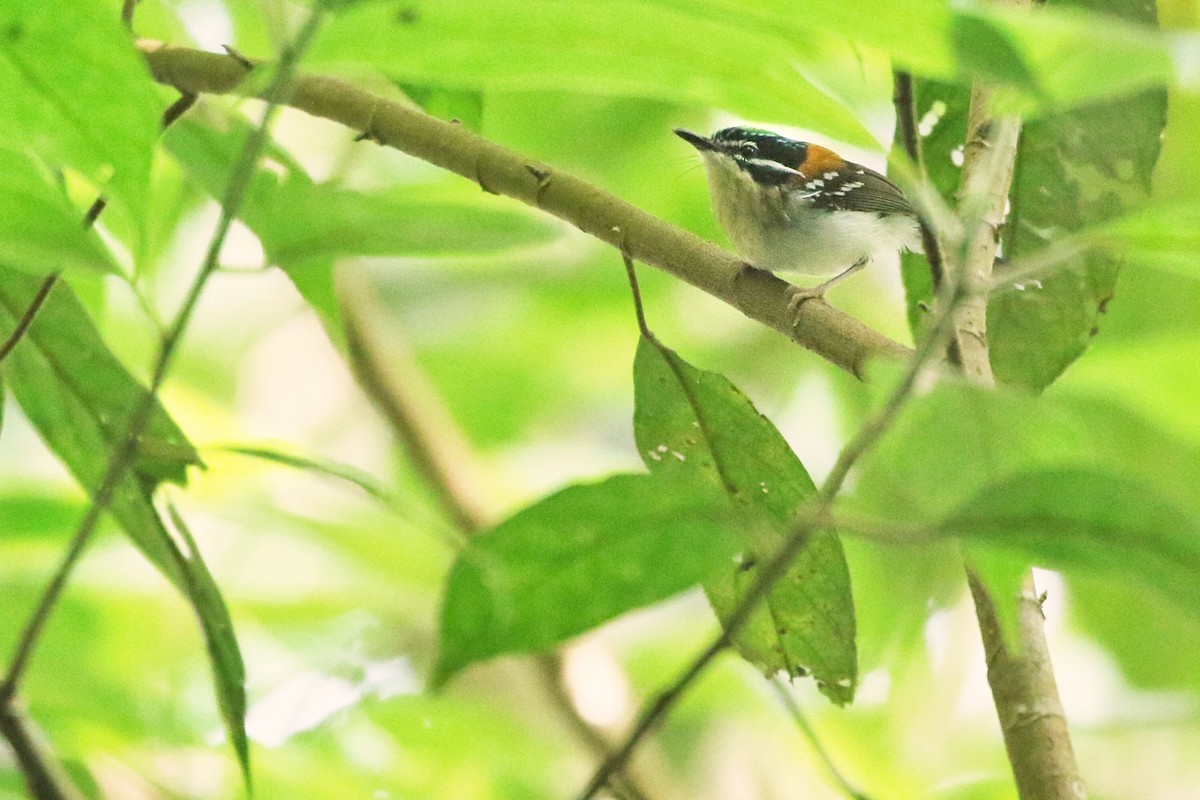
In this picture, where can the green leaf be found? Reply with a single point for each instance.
(986, 53)
(576, 559)
(78, 93)
(952, 442)
(224, 655)
(1074, 170)
(1162, 235)
(40, 230)
(1083, 51)
(79, 398)
(333, 469)
(915, 33)
(633, 49)
(304, 226)
(697, 426)
(1092, 520)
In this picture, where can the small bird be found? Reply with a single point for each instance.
(792, 206)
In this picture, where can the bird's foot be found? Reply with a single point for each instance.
(799, 295)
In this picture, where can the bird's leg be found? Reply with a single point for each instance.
(799, 295)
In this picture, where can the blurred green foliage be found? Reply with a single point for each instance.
(522, 331)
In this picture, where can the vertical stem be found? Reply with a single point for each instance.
(1026, 697)
(1021, 679)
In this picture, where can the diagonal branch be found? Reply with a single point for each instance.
(44, 777)
(829, 333)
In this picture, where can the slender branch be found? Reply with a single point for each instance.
(44, 778)
(122, 456)
(396, 384)
(1025, 693)
(907, 127)
(35, 305)
(127, 9)
(808, 520)
(829, 333)
(797, 714)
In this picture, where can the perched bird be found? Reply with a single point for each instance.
(791, 206)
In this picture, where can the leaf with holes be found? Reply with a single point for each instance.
(696, 425)
(1075, 170)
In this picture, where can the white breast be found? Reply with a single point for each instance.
(789, 235)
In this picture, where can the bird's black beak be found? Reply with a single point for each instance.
(694, 139)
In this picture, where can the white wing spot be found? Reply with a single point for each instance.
(830, 176)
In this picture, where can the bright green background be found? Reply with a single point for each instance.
(524, 332)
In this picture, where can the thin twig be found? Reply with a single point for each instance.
(125, 452)
(127, 9)
(910, 136)
(797, 714)
(35, 305)
(44, 778)
(809, 519)
(636, 291)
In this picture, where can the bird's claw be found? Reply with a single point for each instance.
(799, 295)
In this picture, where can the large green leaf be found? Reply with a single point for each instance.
(78, 93)
(79, 398)
(40, 230)
(579, 558)
(1079, 51)
(619, 48)
(1074, 170)
(1092, 520)
(697, 426)
(950, 443)
(1161, 235)
(76, 392)
(915, 33)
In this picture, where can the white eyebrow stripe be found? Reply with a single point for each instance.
(775, 165)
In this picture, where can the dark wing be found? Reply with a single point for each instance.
(856, 188)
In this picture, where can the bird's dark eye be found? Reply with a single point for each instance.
(748, 150)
